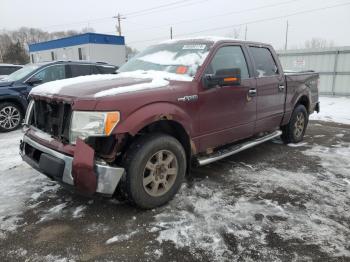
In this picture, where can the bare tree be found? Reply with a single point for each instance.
(25, 36)
(318, 43)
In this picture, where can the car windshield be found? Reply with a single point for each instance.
(179, 58)
(19, 74)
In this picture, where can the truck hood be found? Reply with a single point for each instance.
(98, 86)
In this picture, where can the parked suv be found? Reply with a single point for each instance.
(174, 105)
(7, 69)
(14, 89)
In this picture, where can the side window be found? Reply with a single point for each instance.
(264, 62)
(52, 73)
(229, 57)
(80, 70)
(7, 70)
(105, 69)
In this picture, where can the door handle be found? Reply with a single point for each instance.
(281, 87)
(252, 92)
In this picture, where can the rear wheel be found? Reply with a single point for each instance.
(294, 131)
(11, 117)
(155, 168)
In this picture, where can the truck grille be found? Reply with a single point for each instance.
(52, 118)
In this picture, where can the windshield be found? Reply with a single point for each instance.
(179, 58)
(19, 74)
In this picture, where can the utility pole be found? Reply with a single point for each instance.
(171, 32)
(246, 31)
(119, 26)
(286, 43)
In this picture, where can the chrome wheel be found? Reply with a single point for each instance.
(160, 173)
(10, 117)
(299, 125)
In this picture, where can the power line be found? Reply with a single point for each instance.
(156, 7)
(169, 8)
(79, 22)
(172, 5)
(219, 15)
(269, 19)
(251, 22)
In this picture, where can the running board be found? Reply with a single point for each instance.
(236, 148)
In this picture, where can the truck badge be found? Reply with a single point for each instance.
(188, 98)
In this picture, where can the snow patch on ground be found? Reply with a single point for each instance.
(121, 237)
(300, 207)
(78, 212)
(20, 254)
(10, 150)
(20, 187)
(53, 212)
(333, 109)
(298, 144)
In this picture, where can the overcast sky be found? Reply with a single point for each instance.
(187, 18)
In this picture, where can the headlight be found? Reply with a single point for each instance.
(86, 123)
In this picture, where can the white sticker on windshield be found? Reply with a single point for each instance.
(195, 47)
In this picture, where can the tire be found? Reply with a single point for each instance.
(155, 167)
(11, 117)
(294, 131)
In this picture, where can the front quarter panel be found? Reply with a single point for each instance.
(152, 113)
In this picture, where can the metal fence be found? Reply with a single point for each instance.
(333, 64)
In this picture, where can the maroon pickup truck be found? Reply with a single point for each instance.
(174, 105)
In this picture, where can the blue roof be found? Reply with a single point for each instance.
(87, 38)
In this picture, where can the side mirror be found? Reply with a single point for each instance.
(223, 77)
(34, 81)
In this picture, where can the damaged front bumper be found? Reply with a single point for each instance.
(59, 166)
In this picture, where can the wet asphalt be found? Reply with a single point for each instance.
(53, 229)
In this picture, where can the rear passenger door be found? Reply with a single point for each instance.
(105, 69)
(270, 89)
(80, 70)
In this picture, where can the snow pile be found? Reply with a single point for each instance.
(192, 60)
(156, 82)
(167, 58)
(334, 109)
(157, 78)
(54, 87)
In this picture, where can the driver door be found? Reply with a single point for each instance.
(227, 114)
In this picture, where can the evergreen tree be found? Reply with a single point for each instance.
(15, 54)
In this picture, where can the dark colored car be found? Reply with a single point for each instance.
(14, 89)
(7, 69)
(174, 105)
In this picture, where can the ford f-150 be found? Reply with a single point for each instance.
(174, 105)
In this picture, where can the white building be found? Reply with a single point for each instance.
(89, 47)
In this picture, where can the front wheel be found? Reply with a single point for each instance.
(155, 167)
(11, 117)
(294, 131)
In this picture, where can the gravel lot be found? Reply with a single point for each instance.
(270, 203)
